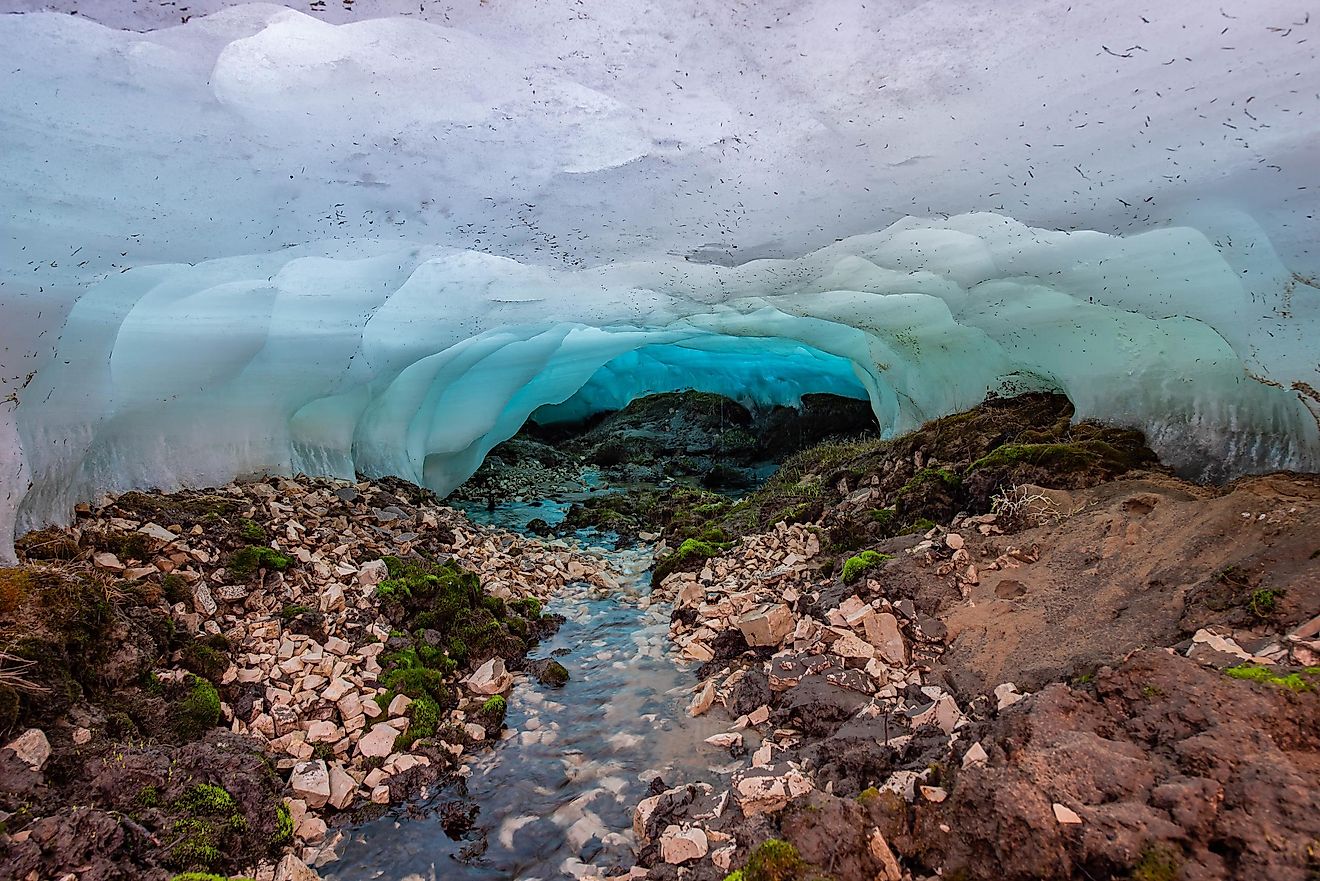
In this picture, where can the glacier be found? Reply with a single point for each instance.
(377, 239)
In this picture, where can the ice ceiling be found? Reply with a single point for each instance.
(375, 237)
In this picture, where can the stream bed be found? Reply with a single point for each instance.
(556, 794)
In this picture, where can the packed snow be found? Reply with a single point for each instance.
(378, 239)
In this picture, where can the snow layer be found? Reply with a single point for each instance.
(264, 241)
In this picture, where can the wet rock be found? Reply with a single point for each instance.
(752, 690)
(549, 672)
(817, 707)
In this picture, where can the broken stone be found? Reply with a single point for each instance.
(311, 783)
(31, 747)
(1066, 816)
(379, 741)
(490, 678)
(342, 787)
(291, 868)
(1007, 695)
(883, 633)
(679, 845)
(766, 625)
(762, 790)
(372, 574)
(884, 855)
(705, 697)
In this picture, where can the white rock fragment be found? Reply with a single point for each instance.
(679, 845)
(31, 747)
(1066, 815)
(310, 782)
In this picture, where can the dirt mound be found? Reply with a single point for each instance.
(1174, 770)
(1128, 564)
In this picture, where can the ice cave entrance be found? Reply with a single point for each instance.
(574, 384)
(755, 372)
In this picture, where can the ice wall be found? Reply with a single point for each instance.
(264, 241)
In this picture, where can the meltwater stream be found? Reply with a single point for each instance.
(556, 795)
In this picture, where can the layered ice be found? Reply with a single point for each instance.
(263, 241)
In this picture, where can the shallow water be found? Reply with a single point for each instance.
(557, 794)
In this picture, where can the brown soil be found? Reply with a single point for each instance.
(1128, 564)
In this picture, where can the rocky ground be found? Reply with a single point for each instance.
(1114, 680)
(1004, 646)
(223, 681)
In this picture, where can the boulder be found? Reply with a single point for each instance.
(291, 868)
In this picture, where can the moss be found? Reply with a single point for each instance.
(209, 824)
(921, 524)
(207, 798)
(1263, 602)
(774, 860)
(204, 660)
(15, 585)
(1080, 455)
(198, 710)
(283, 834)
(244, 563)
(885, 519)
(1158, 862)
(51, 543)
(528, 607)
(495, 706)
(855, 567)
(868, 794)
(252, 531)
(176, 589)
(735, 875)
(205, 876)
(415, 682)
(177, 507)
(1265, 675)
(552, 673)
(289, 611)
(689, 555)
(423, 715)
(148, 797)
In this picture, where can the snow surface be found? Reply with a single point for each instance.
(263, 240)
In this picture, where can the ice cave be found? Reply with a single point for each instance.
(248, 238)
(603, 440)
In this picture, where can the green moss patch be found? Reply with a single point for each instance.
(774, 860)
(855, 567)
(197, 711)
(1292, 681)
(688, 557)
(245, 562)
